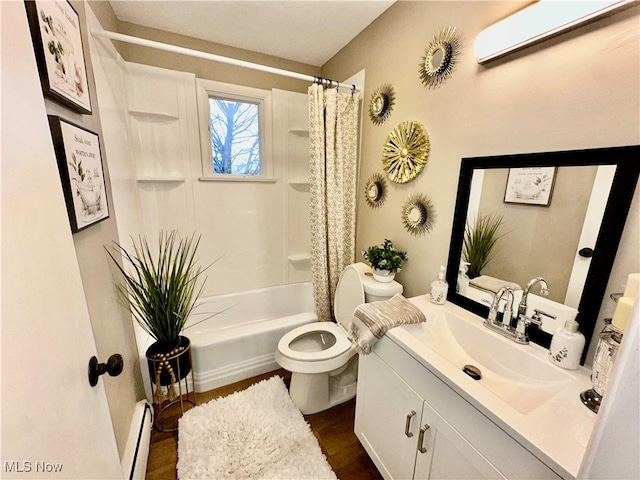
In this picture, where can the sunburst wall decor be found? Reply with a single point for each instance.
(418, 214)
(381, 103)
(375, 191)
(405, 152)
(440, 57)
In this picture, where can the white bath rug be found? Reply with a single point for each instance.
(257, 433)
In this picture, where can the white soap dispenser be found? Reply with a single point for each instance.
(439, 288)
(463, 278)
(566, 346)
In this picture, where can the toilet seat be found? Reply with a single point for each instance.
(342, 345)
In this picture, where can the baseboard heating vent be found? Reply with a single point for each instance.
(136, 452)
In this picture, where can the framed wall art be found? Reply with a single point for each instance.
(81, 172)
(55, 33)
(530, 185)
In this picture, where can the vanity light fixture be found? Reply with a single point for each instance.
(537, 22)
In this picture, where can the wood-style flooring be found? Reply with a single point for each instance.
(333, 428)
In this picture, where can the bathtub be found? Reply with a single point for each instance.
(241, 340)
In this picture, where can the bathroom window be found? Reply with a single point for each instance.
(235, 125)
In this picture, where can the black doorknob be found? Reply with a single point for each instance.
(113, 367)
(586, 252)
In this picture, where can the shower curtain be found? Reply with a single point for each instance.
(333, 145)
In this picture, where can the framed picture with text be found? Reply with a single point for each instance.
(530, 185)
(55, 33)
(81, 172)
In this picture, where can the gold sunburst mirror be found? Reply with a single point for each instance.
(440, 57)
(381, 103)
(418, 214)
(405, 152)
(375, 191)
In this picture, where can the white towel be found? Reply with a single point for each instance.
(492, 284)
(372, 320)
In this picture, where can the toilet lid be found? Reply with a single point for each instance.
(349, 293)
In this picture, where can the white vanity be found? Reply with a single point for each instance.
(420, 416)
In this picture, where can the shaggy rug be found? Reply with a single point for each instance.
(257, 433)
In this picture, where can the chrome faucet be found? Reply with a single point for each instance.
(523, 320)
(544, 290)
(508, 308)
(504, 328)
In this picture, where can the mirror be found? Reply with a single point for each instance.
(381, 103)
(440, 57)
(375, 191)
(418, 214)
(585, 181)
(436, 58)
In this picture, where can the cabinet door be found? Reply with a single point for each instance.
(451, 456)
(384, 422)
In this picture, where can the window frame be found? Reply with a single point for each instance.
(227, 91)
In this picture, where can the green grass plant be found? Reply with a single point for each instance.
(160, 289)
(480, 239)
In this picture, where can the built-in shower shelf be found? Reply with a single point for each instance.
(160, 179)
(299, 183)
(299, 258)
(153, 116)
(302, 132)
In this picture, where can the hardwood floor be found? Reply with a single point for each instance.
(333, 428)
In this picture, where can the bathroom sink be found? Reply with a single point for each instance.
(509, 370)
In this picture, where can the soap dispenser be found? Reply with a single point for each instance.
(463, 278)
(439, 288)
(566, 346)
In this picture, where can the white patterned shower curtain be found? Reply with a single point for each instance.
(333, 145)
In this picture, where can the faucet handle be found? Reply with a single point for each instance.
(523, 323)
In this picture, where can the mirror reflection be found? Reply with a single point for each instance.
(566, 229)
(535, 239)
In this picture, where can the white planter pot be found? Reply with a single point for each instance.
(384, 276)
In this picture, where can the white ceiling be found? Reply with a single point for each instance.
(308, 31)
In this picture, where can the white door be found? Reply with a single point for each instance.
(446, 455)
(53, 422)
(388, 418)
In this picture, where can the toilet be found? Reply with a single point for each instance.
(320, 356)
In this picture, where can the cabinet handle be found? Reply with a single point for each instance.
(406, 425)
(421, 447)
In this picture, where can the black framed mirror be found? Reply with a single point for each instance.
(619, 166)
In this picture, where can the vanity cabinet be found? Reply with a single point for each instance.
(414, 426)
(404, 436)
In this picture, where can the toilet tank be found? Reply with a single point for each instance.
(375, 291)
(356, 285)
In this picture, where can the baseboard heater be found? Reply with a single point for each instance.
(136, 453)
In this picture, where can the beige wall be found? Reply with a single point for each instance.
(538, 240)
(577, 91)
(110, 322)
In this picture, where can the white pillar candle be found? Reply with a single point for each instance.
(623, 311)
(633, 283)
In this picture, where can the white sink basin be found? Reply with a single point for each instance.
(509, 370)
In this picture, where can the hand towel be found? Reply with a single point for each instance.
(491, 284)
(372, 320)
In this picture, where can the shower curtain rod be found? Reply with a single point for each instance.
(218, 58)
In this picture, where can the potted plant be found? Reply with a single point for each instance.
(385, 260)
(479, 241)
(160, 290)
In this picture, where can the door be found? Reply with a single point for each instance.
(53, 422)
(446, 455)
(388, 416)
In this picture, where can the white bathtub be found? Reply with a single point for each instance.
(240, 342)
